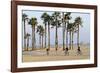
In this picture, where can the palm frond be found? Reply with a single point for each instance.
(33, 21)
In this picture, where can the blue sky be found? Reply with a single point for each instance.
(84, 31)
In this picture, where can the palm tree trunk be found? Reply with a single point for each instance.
(78, 37)
(56, 40)
(45, 35)
(27, 43)
(24, 36)
(48, 36)
(66, 38)
(63, 37)
(33, 38)
(72, 39)
(67, 44)
(42, 41)
(63, 32)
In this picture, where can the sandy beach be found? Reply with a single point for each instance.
(41, 55)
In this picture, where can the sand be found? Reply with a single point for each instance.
(41, 55)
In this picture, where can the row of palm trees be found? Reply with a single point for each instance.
(57, 19)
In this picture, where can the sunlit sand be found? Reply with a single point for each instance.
(41, 54)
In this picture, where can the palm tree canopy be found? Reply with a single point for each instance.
(56, 14)
(70, 27)
(24, 16)
(67, 16)
(40, 30)
(45, 17)
(33, 21)
(78, 21)
(56, 19)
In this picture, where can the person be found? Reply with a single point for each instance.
(47, 51)
(56, 51)
(66, 51)
(79, 51)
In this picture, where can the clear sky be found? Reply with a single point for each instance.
(84, 31)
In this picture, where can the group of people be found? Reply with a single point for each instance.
(66, 50)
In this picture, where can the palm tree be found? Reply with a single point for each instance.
(66, 18)
(56, 22)
(33, 22)
(63, 30)
(73, 31)
(69, 28)
(45, 20)
(72, 36)
(49, 19)
(78, 22)
(27, 37)
(40, 31)
(24, 18)
(42, 34)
